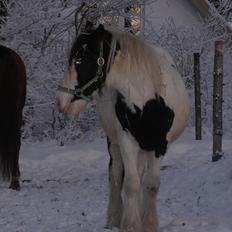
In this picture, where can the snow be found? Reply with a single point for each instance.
(230, 25)
(65, 189)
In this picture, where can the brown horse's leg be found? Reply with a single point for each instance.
(15, 172)
(15, 185)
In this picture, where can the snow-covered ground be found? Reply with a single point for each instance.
(65, 189)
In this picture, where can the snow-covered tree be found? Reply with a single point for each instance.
(42, 33)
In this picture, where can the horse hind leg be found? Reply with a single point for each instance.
(15, 174)
(10, 168)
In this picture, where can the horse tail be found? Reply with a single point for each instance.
(6, 164)
(9, 143)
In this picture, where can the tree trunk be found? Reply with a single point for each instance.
(197, 86)
(217, 101)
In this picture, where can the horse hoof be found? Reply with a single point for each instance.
(111, 226)
(15, 186)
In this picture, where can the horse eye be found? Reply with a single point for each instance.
(78, 61)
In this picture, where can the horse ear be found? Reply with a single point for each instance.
(88, 26)
(100, 30)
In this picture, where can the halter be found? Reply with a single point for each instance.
(97, 81)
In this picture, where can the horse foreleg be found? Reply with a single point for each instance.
(131, 220)
(151, 184)
(116, 173)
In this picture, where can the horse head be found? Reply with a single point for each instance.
(86, 69)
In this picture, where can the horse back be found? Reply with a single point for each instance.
(12, 80)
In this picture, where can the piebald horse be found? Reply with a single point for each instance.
(143, 107)
(12, 99)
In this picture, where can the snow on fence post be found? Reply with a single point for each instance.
(217, 100)
(197, 88)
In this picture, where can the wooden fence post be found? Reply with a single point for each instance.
(197, 87)
(217, 101)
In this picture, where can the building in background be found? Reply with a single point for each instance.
(186, 13)
(183, 13)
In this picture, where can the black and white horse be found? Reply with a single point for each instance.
(143, 106)
(12, 99)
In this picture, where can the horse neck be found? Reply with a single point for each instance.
(134, 84)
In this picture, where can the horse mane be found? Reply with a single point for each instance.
(140, 63)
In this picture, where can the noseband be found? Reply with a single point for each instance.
(97, 81)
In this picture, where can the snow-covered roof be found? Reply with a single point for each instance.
(206, 8)
(203, 6)
(187, 13)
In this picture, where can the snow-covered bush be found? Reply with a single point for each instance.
(42, 33)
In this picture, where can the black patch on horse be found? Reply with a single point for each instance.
(148, 126)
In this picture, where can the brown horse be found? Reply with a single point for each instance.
(12, 100)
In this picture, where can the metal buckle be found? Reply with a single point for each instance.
(77, 91)
(100, 61)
